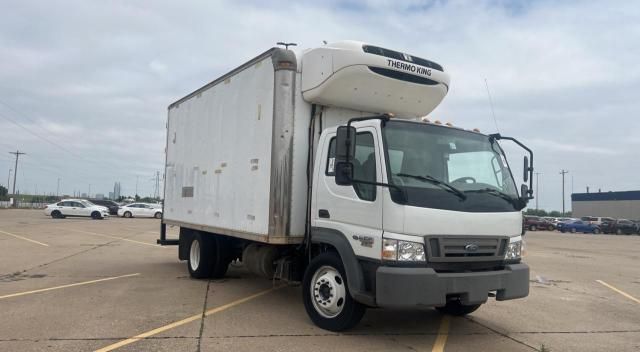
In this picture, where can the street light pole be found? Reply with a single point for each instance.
(537, 187)
(563, 172)
(58, 189)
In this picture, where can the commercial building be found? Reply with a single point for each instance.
(116, 190)
(620, 205)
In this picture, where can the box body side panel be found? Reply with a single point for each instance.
(218, 153)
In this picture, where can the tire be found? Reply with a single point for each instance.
(56, 214)
(563, 231)
(573, 230)
(596, 231)
(96, 215)
(458, 309)
(158, 215)
(551, 228)
(533, 228)
(127, 214)
(208, 256)
(326, 296)
(619, 232)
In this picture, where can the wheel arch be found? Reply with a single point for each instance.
(355, 277)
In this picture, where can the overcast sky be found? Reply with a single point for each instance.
(84, 85)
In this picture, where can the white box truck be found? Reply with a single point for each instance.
(320, 167)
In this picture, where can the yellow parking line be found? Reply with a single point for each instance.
(184, 321)
(118, 238)
(24, 238)
(443, 333)
(619, 291)
(65, 286)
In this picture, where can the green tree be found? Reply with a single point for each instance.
(3, 191)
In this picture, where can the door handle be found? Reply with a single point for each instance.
(324, 213)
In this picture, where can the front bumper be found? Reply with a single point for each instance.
(411, 287)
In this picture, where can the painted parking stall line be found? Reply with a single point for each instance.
(67, 286)
(443, 334)
(24, 238)
(618, 291)
(185, 321)
(116, 237)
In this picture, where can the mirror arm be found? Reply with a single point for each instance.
(497, 136)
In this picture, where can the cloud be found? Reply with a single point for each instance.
(96, 77)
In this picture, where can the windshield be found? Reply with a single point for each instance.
(435, 165)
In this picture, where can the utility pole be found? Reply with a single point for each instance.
(563, 172)
(157, 192)
(58, 189)
(9, 180)
(17, 153)
(89, 194)
(537, 186)
(136, 195)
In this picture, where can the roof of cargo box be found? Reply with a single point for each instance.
(279, 53)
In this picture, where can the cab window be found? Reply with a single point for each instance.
(364, 164)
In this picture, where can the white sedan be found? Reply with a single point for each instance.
(141, 210)
(76, 207)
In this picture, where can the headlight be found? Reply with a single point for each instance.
(402, 251)
(514, 250)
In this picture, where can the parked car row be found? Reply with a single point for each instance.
(101, 209)
(586, 224)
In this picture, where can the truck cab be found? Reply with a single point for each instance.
(430, 216)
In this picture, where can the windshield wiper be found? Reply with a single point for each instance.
(496, 193)
(430, 179)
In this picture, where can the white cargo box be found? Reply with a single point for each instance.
(229, 150)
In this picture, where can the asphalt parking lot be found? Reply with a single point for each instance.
(103, 285)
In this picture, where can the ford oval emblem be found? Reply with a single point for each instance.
(471, 247)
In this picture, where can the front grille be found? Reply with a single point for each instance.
(465, 249)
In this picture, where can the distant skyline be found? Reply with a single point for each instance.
(84, 85)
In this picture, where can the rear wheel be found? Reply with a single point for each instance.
(56, 214)
(573, 230)
(619, 232)
(456, 308)
(596, 231)
(208, 256)
(551, 228)
(158, 215)
(326, 294)
(533, 228)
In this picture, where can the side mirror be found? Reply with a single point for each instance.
(344, 173)
(525, 170)
(345, 144)
(524, 191)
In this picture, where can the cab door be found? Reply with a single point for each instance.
(356, 210)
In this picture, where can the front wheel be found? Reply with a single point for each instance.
(551, 228)
(326, 294)
(456, 308)
(96, 215)
(127, 214)
(573, 230)
(533, 228)
(596, 231)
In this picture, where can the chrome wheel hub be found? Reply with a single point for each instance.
(328, 292)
